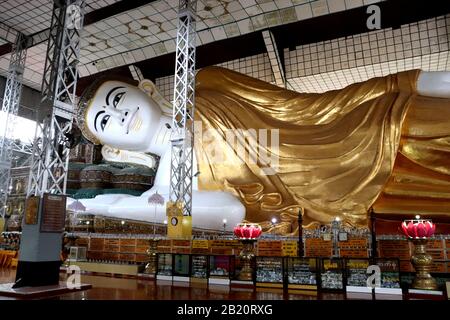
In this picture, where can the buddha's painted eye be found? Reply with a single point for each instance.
(104, 121)
(117, 99)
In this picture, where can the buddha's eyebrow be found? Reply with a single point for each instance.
(95, 119)
(109, 94)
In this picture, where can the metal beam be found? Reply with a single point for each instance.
(10, 108)
(48, 171)
(136, 73)
(8, 33)
(183, 109)
(274, 58)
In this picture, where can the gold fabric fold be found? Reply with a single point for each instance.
(420, 182)
(336, 151)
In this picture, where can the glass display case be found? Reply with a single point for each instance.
(199, 267)
(390, 273)
(302, 273)
(220, 266)
(165, 264)
(181, 265)
(331, 274)
(269, 270)
(356, 274)
(238, 265)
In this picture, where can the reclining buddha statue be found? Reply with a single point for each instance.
(383, 143)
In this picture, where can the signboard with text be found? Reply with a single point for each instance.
(53, 213)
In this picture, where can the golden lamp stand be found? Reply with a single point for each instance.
(246, 256)
(422, 262)
(152, 252)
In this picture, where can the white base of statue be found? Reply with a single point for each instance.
(394, 291)
(426, 292)
(219, 281)
(181, 279)
(163, 278)
(359, 289)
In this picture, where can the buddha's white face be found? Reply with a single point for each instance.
(122, 116)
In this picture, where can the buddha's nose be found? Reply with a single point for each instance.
(121, 115)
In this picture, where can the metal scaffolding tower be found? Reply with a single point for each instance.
(10, 109)
(183, 110)
(48, 171)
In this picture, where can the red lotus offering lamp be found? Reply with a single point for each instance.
(419, 231)
(248, 233)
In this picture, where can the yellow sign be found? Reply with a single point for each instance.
(357, 264)
(330, 265)
(32, 210)
(289, 248)
(224, 243)
(200, 244)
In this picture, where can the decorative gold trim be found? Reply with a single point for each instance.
(303, 292)
(302, 287)
(82, 110)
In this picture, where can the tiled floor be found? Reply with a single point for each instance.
(109, 288)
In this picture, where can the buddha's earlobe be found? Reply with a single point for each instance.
(147, 86)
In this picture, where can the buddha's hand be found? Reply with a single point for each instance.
(434, 84)
(117, 155)
(112, 154)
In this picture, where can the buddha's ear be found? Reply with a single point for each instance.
(147, 86)
(150, 89)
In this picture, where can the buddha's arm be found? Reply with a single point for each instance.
(163, 172)
(434, 84)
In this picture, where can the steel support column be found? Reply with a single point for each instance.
(40, 246)
(10, 108)
(183, 110)
(50, 158)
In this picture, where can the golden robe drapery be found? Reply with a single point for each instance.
(337, 150)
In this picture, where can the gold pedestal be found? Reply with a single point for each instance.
(178, 226)
(422, 261)
(152, 252)
(246, 256)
